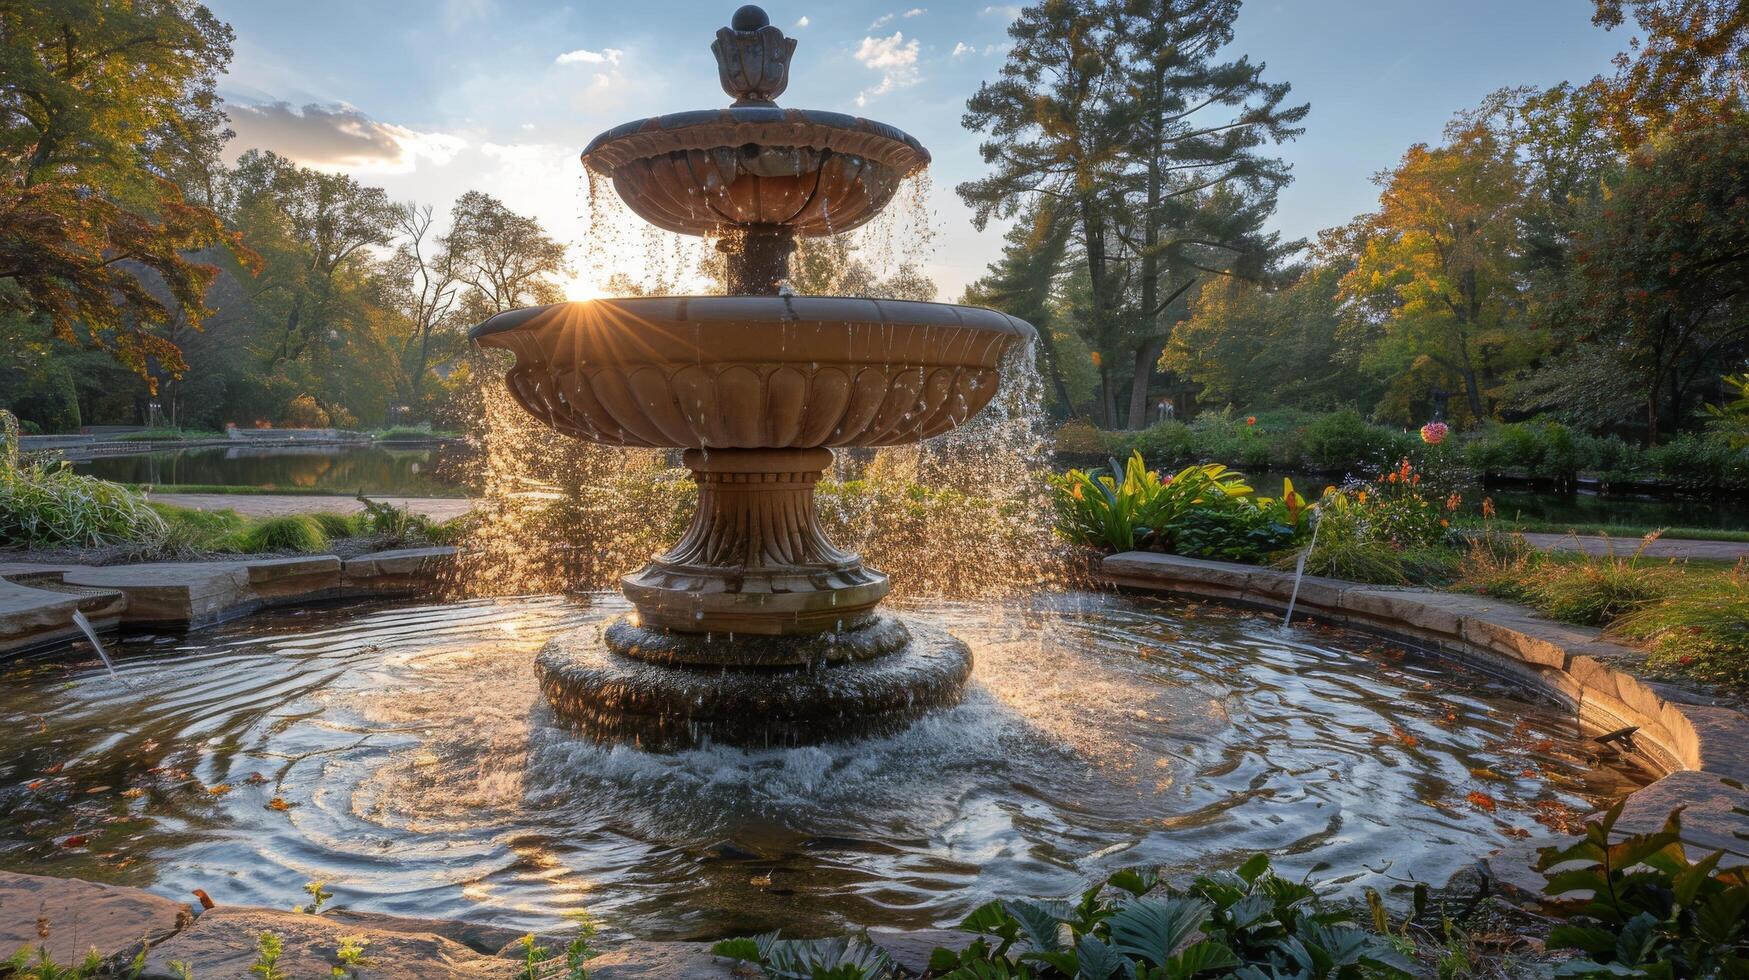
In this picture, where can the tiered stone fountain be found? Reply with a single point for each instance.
(753, 629)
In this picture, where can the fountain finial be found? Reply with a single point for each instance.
(753, 57)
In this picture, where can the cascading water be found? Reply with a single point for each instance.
(757, 626)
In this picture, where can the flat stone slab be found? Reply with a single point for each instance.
(222, 944)
(649, 961)
(70, 917)
(33, 616)
(1594, 544)
(196, 594)
(398, 570)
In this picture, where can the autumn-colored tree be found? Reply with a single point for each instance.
(1691, 57)
(1662, 265)
(101, 106)
(1437, 273)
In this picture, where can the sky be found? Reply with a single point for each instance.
(431, 98)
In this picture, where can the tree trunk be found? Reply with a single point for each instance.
(1473, 392)
(1048, 347)
(1144, 369)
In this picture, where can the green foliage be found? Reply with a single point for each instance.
(1700, 629)
(50, 506)
(350, 958)
(1697, 462)
(1205, 511)
(537, 960)
(1250, 923)
(1344, 442)
(34, 963)
(299, 533)
(1647, 910)
(335, 524)
(269, 947)
(809, 959)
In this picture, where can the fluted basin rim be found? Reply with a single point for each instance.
(704, 129)
(768, 309)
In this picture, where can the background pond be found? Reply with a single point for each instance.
(404, 754)
(414, 471)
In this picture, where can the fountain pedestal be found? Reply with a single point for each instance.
(754, 559)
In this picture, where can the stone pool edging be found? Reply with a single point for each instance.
(37, 601)
(1697, 744)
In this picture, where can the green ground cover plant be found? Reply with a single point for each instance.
(47, 505)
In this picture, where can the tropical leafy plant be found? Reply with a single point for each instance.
(1250, 923)
(1133, 507)
(809, 959)
(1647, 910)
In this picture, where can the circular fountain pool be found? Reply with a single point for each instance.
(404, 754)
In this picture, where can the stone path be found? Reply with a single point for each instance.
(1662, 548)
(279, 504)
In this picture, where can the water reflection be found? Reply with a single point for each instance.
(405, 755)
(422, 471)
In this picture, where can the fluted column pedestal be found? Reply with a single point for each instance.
(754, 559)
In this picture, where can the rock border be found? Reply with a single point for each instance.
(37, 600)
(1695, 743)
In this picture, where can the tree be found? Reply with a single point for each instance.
(1054, 134)
(1437, 272)
(1200, 189)
(1662, 265)
(101, 106)
(1022, 283)
(426, 273)
(1118, 113)
(1694, 57)
(507, 260)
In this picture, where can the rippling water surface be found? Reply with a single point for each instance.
(404, 754)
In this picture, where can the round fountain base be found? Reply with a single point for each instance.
(615, 697)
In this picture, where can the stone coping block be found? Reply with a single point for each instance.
(34, 616)
(222, 943)
(398, 570)
(70, 917)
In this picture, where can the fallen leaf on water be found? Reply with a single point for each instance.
(278, 803)
(1482, 801)
(100, 789)
(35, 784)
(1404, 737)
(77, 840)
(1486, 773)
(255, 779)
(133, 793)
(219, 790)
(51, 770)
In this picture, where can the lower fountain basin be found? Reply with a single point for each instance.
(881, 685)
(406, 753)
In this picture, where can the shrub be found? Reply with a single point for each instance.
(303, 412)
(193, 531)
(294, 532)
(335, 524)
(48, 505)
(1698, 462)
(1647, 910)
(1345, 442)
(1165, 443)
(1078, 436)
(405, 433)
(1249, 922)
(1597, 591)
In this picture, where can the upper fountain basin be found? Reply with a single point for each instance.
(710, 171)
(753, 372)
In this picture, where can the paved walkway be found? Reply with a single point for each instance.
(1625, 546)
(277, 504)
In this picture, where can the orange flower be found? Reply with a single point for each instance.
(1487, 506)
(1097, 360)
(1250, 420)
(1360, 497)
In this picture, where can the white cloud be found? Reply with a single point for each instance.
(1001, 48)
(962, 49)
(881, 21)
(803, 21)
(915, 12)
(584, 56)
(1009, 11)
(894, 57)
(337, 137)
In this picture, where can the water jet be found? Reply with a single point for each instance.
(754, 628)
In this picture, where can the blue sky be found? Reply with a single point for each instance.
(435, 97)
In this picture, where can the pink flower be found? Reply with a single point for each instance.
(1433, 433)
